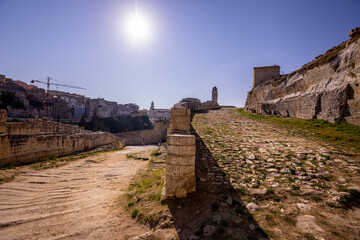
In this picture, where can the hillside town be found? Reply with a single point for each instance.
(24, 100)
(180, 120)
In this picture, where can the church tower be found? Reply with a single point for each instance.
(214, 97)
(152, 106)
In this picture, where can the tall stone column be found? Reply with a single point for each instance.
(180, 163)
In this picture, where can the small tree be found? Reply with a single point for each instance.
(10, 99)
(82, 120)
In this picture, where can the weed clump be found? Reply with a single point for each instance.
(134, 213)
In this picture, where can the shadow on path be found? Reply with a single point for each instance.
(215, 211)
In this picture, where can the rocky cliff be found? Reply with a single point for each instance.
(326, 88)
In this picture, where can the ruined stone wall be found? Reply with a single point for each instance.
(330, 91)
(195, 104)
(150, 136)
(180, 163)
(36, 139)
(263, 74)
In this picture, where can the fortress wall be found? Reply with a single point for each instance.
(263, 74)
(39, 140)
(150, 136)
(330, 91)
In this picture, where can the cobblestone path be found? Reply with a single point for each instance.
(295, 187)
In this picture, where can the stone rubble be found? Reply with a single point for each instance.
(276, 170)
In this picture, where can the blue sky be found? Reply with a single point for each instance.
(196, 44)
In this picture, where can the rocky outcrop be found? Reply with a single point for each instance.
(326, 88)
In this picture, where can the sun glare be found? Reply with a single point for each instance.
(138, 28)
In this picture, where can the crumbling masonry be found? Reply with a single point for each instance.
(36, 139)
(180, 165)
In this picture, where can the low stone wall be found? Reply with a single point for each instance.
(180, 163)
(36, 139)
(148, 136)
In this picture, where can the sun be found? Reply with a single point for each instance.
(138, 28)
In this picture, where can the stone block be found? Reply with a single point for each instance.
(180, 124)
(187, 170)
(180, 193)
(180, 120)
(180, 160)
(181, 150)
(172, 170)
(178, 184)
(178, 139)
(180, 111)
(179, 171)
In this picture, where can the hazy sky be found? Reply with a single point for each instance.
(195, 44)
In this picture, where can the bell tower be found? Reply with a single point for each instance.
(214, 96)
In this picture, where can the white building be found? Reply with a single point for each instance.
(158, 114)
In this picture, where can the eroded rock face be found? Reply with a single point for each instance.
(37, 139)
(329, 91)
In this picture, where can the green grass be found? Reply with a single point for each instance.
(290, 220)
(134, 213)
(309, 236)
(276, 198)
(339, 134)
(155, 153)
(316, 198)
(270, 190)
(143, 198)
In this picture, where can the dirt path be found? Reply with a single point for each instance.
(75, 201)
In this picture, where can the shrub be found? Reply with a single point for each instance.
(134, 213)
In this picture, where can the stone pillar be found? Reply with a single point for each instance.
(3, 115)
(180, 119)
(180, 163)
